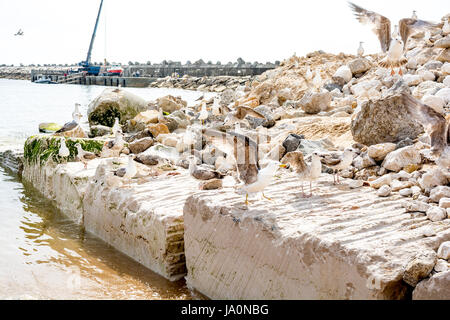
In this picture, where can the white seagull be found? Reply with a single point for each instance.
(63, 150)
(361, 49)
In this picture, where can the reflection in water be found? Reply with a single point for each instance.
(47, 256)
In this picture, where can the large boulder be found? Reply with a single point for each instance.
(342, 75)
(436, 287)
(384, 120)
(115, 103)
(315, 102)
(359, 65)
(444, 56)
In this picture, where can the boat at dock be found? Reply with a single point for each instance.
(44, 79)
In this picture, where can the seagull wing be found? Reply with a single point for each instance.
(381, 25)
(433, 122)
(242, 148)
(408, 27)
(242, 112)
(68, 127)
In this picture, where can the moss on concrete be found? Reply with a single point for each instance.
(42, 148)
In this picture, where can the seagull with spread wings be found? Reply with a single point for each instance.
(393, 46)
(435, 125)
(244, 150)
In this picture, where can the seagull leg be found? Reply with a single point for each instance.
(337, 174)
(310, 189)
(266, 197)
(400, 72)
(334, 177)
(303, 191)
(392, 72)
(246, 199)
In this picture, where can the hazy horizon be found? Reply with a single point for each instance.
(59, 32)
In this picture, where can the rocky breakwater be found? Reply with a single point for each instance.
(209, 84)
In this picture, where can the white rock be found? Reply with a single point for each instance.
(446, 68)
(397, 185)
(444, 93)
(354, 184)
(444, 203)
(412, 79)
(343, 73)
(446, 81)
(416, 190)
(436, 214)
(366, 88)
(439, 192)
(416, 206)
(364, 161)
(412, 63)
(444, 250)
(379, 151)
(426, 75)
(431, 179)
(442, 266)
(398, 159)
(381, 181)
(435, 102)
(402, 175)
(384, 191)
(426, 87)
(428, 231)
(405, 192)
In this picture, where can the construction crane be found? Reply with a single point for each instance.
(86, 65)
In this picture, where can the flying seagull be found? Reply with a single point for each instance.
(19, 33)
(435, 125)
(382, 28)
(245, 153)
(305, 172)
(76, 117)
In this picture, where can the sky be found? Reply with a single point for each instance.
(59, 31)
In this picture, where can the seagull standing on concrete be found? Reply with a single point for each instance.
(317, 81)
(76, 118)
(63, 150)
(305, 172)
(84, 156)
(216, 107)
(244, 151)
(131, 170)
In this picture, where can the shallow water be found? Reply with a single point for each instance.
(43, 254)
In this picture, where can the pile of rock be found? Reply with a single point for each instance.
(208, 84)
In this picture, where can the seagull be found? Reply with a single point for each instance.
(84, 156)
(305, 172)
(76, 118)
(391, 44)
(113, 148)
(244, 151)
(339, 164)
(436, 126)
(19, 33)
(131, 170)
(414, 15)
(308, 74)
(63, 150)
(116, 128)
(240, 113)
(201, 173)
(203, 113)
(446, 27)
(216, 107)
(361, 49)
(317, 81)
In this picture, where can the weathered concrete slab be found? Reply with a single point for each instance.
(435, 288)
(340, 244)
(143, 219)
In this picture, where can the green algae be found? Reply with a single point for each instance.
(40, 149)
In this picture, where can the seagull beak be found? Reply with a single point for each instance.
(283, 166)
